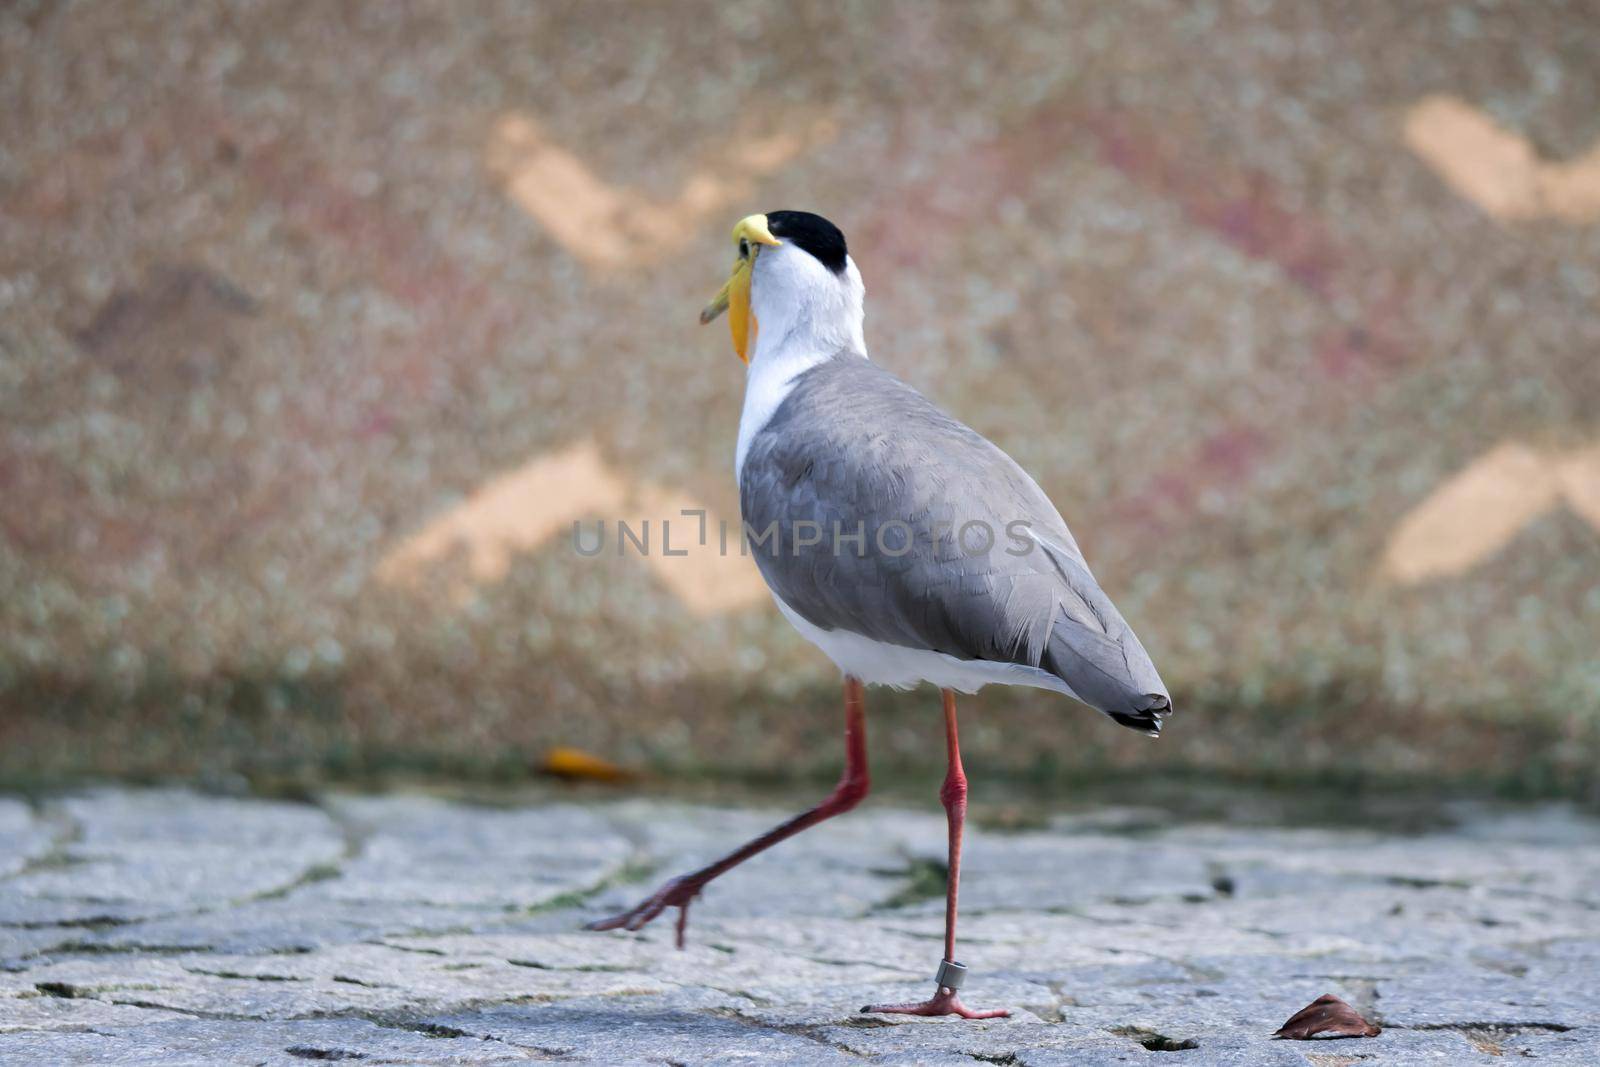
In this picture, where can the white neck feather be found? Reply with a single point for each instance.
(804, 314)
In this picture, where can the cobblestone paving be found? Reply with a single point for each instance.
(141, 927)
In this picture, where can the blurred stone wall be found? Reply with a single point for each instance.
(321, 324)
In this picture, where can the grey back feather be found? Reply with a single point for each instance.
(853, 449)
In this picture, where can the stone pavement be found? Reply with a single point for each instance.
(166, 927)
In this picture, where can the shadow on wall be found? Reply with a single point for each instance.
(274, 730)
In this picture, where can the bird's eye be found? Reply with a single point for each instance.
(744, 248)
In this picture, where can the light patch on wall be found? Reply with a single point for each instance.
(1480, 510)
(522, 510)
(608, 226)
(1498, 170)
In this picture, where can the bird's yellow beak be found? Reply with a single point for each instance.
(749, 236)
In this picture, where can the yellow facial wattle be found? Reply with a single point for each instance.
(749, 235)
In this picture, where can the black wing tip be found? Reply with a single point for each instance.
(1146, 720)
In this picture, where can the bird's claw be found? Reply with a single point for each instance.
(943, 1002)
(676, 893)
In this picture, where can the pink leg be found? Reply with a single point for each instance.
(852, 787)
(953, 794)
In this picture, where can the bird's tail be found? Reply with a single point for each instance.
(1114, 677)
(1146, 719)
(1091, 648)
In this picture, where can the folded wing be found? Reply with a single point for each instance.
(874, 512)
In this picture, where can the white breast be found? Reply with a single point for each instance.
(803, 315)
(769, 382)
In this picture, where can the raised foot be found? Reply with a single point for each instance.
(676, 893)
(944, 1002)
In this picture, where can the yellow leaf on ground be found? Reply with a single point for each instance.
(576, 764)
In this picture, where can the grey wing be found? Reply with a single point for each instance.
(928, 536)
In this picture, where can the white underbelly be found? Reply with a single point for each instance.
(879, 663)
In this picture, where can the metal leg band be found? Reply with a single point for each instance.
(951, 974)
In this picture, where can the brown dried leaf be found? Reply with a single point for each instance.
(1326, 1015)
